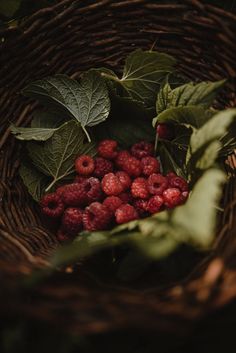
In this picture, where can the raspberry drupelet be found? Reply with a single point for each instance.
(150, 165)
(102, 167)
(139, 189)
(96, 217)
(72, 221)
(107, 149)
(126, 213)
(142, 149)
(157, 183)
(52, 205)
(84, 165)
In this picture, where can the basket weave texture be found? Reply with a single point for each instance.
(70, 38)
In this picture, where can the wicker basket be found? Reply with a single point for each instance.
(69, 38)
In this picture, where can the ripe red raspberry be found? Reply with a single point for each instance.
(75, 195)
(112, 202)
(142, 149)
(92, 187)
(124, 178)
(165, 132)
(157, 183)
(141, 207)
(84, 165)
(150, 165)
(172, 197)
(155, 203)
(96, 217)
(170, 175)
(60, 190)
(62, 236)
(132, 166)
(139, 189)
(179, 183)
(52, 205)
(121, 158)
(72, 221)
(126, 197)
(107, 149)
(111, 185)
(79, 179)
(125, 213)
(102, 167)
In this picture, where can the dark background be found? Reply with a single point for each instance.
(216, 334)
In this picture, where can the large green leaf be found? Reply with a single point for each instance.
(143, 75)
(27, 133)
(55, 157)
(87, 100)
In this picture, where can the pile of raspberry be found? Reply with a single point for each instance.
(116, 187)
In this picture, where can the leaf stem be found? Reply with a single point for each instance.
(51, 185)
(87, 134)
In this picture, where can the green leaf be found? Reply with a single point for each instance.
(163, 98)
(49, 119)
(209, 156)
(190, 116)
(169, 162)
(56, 156)
(143, 75)
(87, 101)
(197, 218)
(27, 134)
(34, 180)
(214, 129)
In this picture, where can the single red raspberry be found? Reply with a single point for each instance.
(79, 179)
(157, 183)
(52, 205)
(184, 197)
(126, 213)
(141, 207)
(60, 190)
(107, 149)
(96, 217)
(126, 197)
(102, 167)
(142, 149)
(92, 187)
(72, 221)
(111, 185)
(155, 203)
(75, 195)
(124, 178)
(132, 166)
(172, 197)
(84, 165)
(179, 183)
(165, 132)
(150, 165)
(112, 202)
(139, 189)
(62, 236)
(170, 175)
(121, 158)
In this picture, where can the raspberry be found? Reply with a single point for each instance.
(75, 195)
(132, 166)
(124, 178)
(107, 149)
(139, 188)
(96, 217)
(84, 165)
(171, 175)
(112, 202)
(111, 184)
(126, 197)
(62, 236)
(150, 165)
(72, 221)
(92, 187)
(121, 158)
(172, 197)
(157, 183)
(102, 167)
(79, 179)
(155, 203)
(164, 131)
(142, 149)
(179, 183)
(60, 190)
(126, 213)
(52, 205)
(141, 207)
